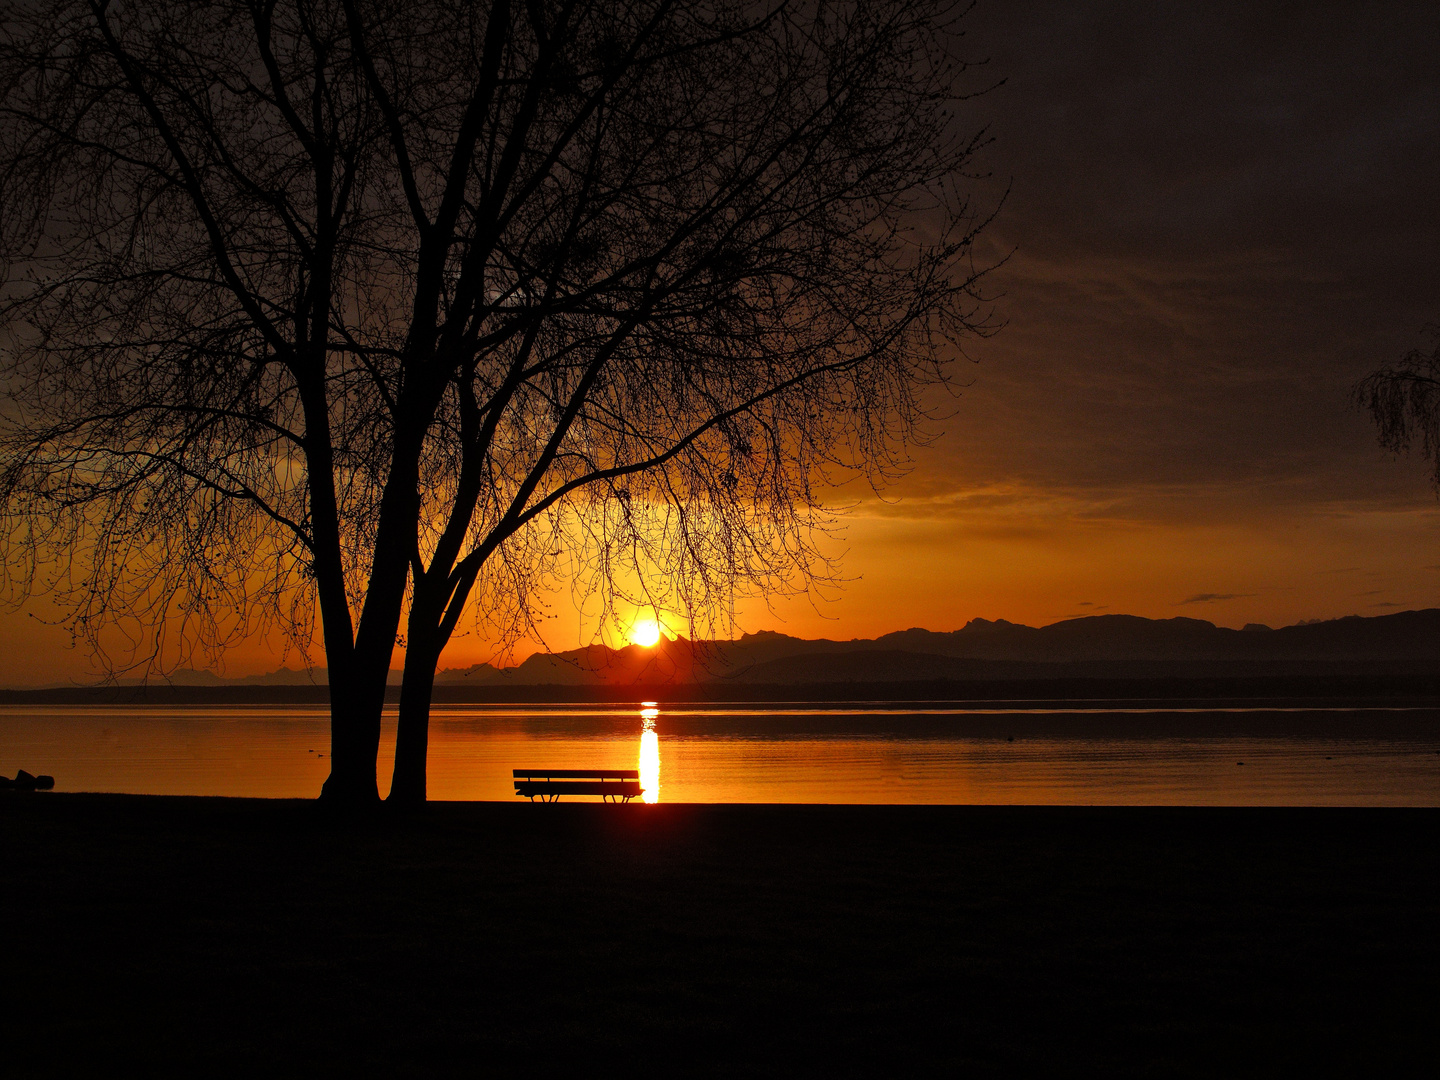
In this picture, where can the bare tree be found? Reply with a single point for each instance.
(388, 312)
(1404, 402)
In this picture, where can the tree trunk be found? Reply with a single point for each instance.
(357, 691)
(355, 706)
(412, 737)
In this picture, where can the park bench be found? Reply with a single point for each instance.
(550, 784)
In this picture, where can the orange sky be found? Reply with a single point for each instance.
(1218, 220)
(1028, 556)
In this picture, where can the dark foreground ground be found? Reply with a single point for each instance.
(245, 936)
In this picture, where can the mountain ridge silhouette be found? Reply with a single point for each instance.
(1106, 645)
(1092, 646)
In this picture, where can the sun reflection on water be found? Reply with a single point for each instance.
(649, 753)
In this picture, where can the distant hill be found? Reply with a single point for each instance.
(283, 677)
(1099, 646)
(1096, 647)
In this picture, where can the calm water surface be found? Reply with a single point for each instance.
(781, 753)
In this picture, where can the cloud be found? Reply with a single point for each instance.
(1212, 597)
(1211, 243)
(1385, 603)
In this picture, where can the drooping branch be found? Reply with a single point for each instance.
(1404, 403)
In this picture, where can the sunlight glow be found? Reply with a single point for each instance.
(645, 632)
(649, 755)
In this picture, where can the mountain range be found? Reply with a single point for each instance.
(1100, 646)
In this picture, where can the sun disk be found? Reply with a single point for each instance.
(645, 632)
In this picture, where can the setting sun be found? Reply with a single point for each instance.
(646, 632)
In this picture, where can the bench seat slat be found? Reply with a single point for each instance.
(576, 774)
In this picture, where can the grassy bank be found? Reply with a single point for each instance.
(242, 934)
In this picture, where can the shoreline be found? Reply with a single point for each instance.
(1341, 689)
(222, 933)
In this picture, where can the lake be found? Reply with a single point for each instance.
(1112, 753)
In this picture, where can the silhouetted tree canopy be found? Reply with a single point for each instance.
(385, 312)
(1404, 402)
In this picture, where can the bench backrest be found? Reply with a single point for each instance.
(577, 774)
